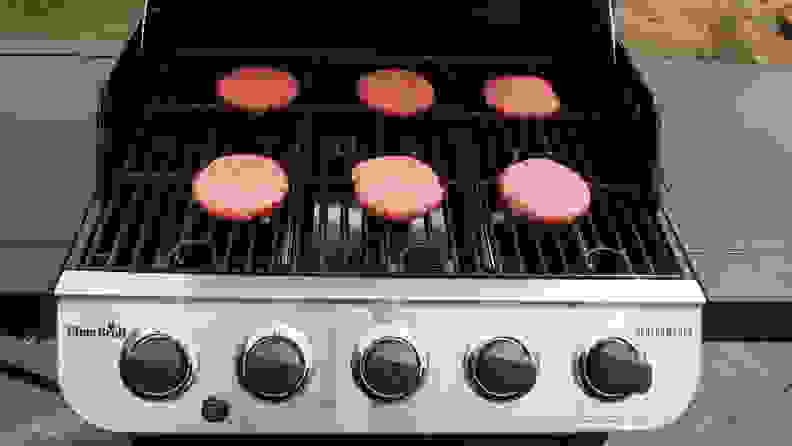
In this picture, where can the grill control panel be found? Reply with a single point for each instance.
(377, 368)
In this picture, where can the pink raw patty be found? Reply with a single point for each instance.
(544, 188)
(401, 187)
(425, 196)
(241, 186)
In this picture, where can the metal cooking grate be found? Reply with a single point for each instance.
(153, 226)
(340, 236)
(148, 227)
(144, 227)
(616, 237)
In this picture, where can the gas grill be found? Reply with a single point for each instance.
(324, 319)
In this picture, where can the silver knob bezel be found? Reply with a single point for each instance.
(473, 354)
(584, 373)
(139, 337)
(291, 335)
(385, 335)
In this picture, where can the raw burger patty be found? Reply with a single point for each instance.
(241, 187)
(521, 96)
(396, 92)
(258, 89)
(544, 191)
(397, 187)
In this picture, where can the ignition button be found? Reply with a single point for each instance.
(215, 410)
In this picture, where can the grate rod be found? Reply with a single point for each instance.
(561, 255)
(345, 226)
(488, 256)
(386, 244)
(581, 240)
(642, 245)
(250, 262)
(517, 249)
(146, 227)
(452, 242)
(123, 235)
(542, 259)
(229, 251)
(282, 255)
(96, 240)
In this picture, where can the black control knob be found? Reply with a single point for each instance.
(389, 369)
(154, 366)
(613, 369)
(273, 368)
(501, 368)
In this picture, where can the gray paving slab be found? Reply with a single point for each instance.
(743, 399)
(33, 416)
(727, 151)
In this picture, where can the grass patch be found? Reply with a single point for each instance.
(650, 48)
(69, 19)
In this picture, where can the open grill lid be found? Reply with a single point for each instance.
(583, 31)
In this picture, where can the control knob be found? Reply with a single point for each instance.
(501, 368)
(274, 367)
(390, 368)
(613, 369)
(155, 366)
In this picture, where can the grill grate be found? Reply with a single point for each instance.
(616, 228)
(147, 221)
(340, 236)
(320, 230)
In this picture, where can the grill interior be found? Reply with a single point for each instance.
(155, 140)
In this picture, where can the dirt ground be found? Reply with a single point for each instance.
(744, 31)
